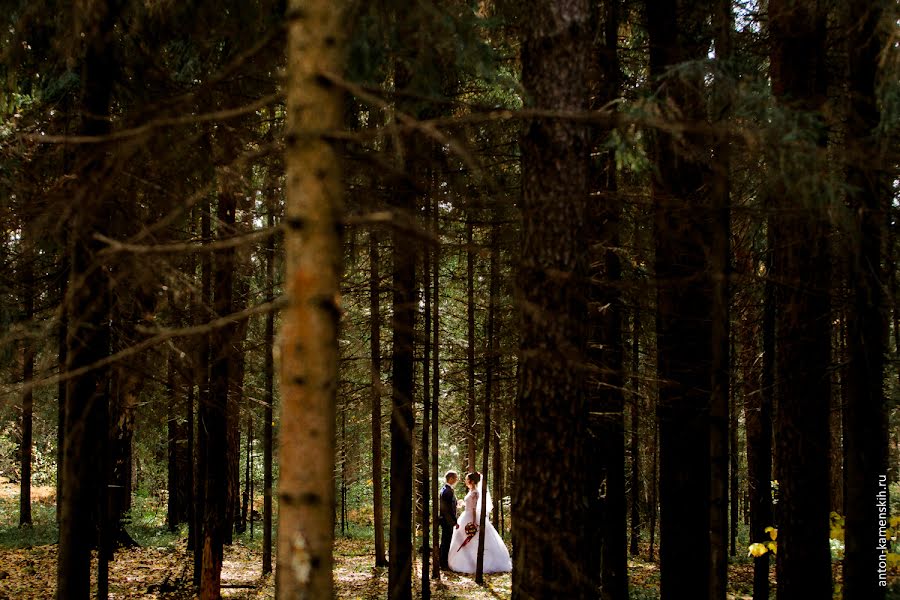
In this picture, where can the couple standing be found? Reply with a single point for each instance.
(459, 537)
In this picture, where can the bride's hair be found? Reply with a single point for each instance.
(474, 477)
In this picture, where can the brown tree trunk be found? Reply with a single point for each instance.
(203, 364)
(866, 428)
(803, 564)
(28, 354)
(435, 378)
(490, 369)
(720, 267)
(215, 414)
(309, 350)
(635, 432)
(549, 557)
(269, 376)
(172, 509)
(375, 376)
(87, 303)
(471, 443)
(684, 231)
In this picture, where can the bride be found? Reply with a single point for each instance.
(463, 552)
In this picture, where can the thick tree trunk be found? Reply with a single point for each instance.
(87, 302)
(549, 557)
(309, 351)
(866, 429)
(684, 233)
(215, 417)
(375, 376)
(803, 564)
(403, 324)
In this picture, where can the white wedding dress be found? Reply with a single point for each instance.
(463, 558)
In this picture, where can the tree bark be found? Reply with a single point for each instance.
(866, 428)
(28, 354)
(684, 233)
(549, 557)
(803, 564)
(88, 305)
(269, 376)
(471, 443)
(435, 377)
(309, 350)
(375, 376)
(490, 369)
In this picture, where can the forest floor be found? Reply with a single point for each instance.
(161, 567)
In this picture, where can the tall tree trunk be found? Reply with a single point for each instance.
(28, 353)
(604, 410)
(62, 361)
(203, 364)
(683, 230)
(552, 286)
(803, 564)
(758, 407)
(425, 454)
(375, 376)
(490, 368)
(403, 324)
(635, 432)
(435, 376)
(269, 376)
(734, 449)
(215, 415)
(88, 331)
(309, 365)
(866, 431)
(471, 444)
(720, 266)
(172, 509)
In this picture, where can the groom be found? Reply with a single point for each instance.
(447, 516)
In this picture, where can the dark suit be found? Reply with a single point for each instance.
(448, 521)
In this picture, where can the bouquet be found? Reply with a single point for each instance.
(471, 530)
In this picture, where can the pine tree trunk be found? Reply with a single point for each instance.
(375, 354)
(471, 443)
(435, 377)
(866, 429)
(203, 365)
(759, 403)
(490, 369)
(28, 354)
(549, 550)
(635, 432)
(803, 564)
(172, 509)
(309, 350)
(269, 377)
(88, 336)
(720, 266)
(215, 415)
(684, 232)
